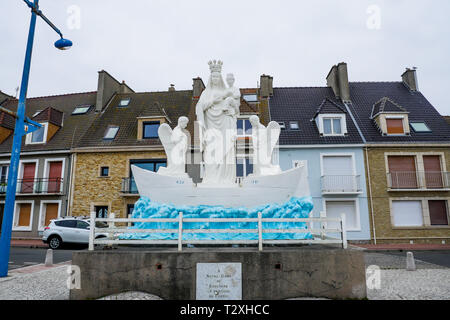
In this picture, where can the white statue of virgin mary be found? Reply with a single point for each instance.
(216, 114)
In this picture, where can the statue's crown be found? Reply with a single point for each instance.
(215, 66)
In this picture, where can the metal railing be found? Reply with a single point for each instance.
(36, 186)
(129, 186)
(425, 180)
(341, 184)
(320, 235)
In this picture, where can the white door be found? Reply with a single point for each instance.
(338, 174)
(334, 209)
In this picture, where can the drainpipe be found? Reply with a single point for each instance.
(370, 197)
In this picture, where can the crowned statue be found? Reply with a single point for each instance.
(217, 111)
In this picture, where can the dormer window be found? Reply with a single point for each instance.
(395, 126)
(38, 136)
(282, 125)
(111, 133)
(124, 102)
(332, 124)
(390, 117)
(150, 129)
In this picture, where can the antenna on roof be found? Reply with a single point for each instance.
(17, 92)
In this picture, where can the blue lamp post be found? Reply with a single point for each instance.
(19, 131)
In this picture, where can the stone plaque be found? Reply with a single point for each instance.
(219, 281)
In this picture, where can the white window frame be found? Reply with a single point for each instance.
(350, 154)
(244, 118)
(36, 170)
(357, 210)
(5, 164)
(386, 118)
(16, 216)
(42, 212)
(47, 169)
(342, 118)
(425, 212)
(244, 157)
(28, 138)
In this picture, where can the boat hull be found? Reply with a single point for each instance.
(253, 191)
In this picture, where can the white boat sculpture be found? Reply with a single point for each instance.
(217, 111)
(253, 192)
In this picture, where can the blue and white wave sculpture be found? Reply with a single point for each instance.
(147, 209)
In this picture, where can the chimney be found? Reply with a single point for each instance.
(337, 80)
(107, 87)
(198, 87)
(266, 86)
(124, 88)
(409, 78)
(172, 88)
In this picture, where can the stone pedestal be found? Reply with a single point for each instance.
(274, 274)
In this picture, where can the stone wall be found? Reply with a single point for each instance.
(272, 274)
(385, 232)
(91, 190)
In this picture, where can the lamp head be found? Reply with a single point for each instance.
(63, 44)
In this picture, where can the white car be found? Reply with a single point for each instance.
(68, 230)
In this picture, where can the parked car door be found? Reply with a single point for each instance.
(67, 230)
(82, 233)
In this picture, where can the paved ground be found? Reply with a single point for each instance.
(430, 281)
(22, 257)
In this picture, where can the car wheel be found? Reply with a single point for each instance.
(55, 242)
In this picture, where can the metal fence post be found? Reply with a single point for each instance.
(323, 225)
(344, 231)
(260, 239)
(92, 231)
(180, 232)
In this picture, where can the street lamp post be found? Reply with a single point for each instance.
(19, 131)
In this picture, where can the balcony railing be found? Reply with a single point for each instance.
(36, 186)
(341, 184)
(418, 180)
(129, 186)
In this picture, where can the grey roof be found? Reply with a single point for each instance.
(152, 104)
(365, 94)
(368, 99)
(386, 105)
(302, 105)
(74, 126)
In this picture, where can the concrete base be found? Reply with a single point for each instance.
(274, 274)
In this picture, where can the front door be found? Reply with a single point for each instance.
(29, 170)
(54, 177)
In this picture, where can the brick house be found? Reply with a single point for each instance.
(407, 155)
(46, 161)
(126, 133)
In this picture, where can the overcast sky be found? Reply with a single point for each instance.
(151, 44)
